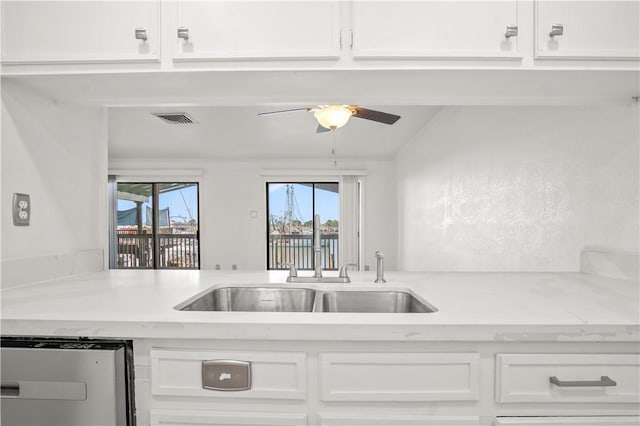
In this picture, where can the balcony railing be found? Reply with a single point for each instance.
(284, 249)
(176, 251)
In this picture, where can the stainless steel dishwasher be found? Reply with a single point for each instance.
(66, 382)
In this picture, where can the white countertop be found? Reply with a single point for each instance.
(471, 307)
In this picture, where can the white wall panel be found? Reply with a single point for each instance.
(56, 153)
(518, 188)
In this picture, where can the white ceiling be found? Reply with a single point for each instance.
(238, 132)
(226, 104)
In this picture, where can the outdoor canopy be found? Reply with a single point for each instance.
(130, 217)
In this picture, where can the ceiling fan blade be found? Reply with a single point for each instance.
(379, 116)
(322, 129)
(284, 111)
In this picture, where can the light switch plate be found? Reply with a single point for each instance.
(21, 209)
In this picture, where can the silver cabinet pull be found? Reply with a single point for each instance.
(10, 390)
(604, 381)
(141, 34)
(556, 30)
(226, 375)
(512, 31)
(183, 33)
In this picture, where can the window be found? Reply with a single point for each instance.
(290, 211)
(156, 226)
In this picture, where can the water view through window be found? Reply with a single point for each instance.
(291, 208)
(157, 226)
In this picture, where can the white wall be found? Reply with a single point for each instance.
(56, 154)
(229, 190)
(518, 188)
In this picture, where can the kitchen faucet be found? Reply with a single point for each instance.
(317, 254)
(380, 268)
(317, 260)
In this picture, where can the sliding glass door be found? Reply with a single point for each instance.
(157, 226)
(291, 207)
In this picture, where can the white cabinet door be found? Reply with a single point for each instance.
(434, 29)
(79, 31)
(604, 29)
(569, 421)
(258, 30)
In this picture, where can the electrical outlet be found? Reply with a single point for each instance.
(21, 209)
(234, 267)
(367, 267)
(217, 266)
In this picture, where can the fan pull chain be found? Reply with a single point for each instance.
(333, 147)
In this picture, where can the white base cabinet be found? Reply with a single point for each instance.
(389, 383)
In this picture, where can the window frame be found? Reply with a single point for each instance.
(313, 184)
(155, 202)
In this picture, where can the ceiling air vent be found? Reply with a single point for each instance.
(175, 118)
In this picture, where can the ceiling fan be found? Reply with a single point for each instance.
(332, 117)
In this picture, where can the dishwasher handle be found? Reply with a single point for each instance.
(65, 391)
(10, 390)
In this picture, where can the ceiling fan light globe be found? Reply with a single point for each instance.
(333, 117)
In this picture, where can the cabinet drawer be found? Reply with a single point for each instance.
(399, 376)
(368, 419)
(578, 378)
(276, 375)
(224, 418)
(569, 421)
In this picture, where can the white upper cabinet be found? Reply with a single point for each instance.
(257, 30)
(588, 29)
(435, 29)
(79, 31)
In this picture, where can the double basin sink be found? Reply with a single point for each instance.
(294, 299)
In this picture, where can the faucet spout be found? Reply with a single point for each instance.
(317, 260)
(380, 268)
(317, 252)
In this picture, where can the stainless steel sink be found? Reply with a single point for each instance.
(295, 299)
(253, 299)
(373, 302)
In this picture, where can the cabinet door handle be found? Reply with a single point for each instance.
(604, 381)
(183, 33)
(141, 34)
(556, 30)
(512, 31)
